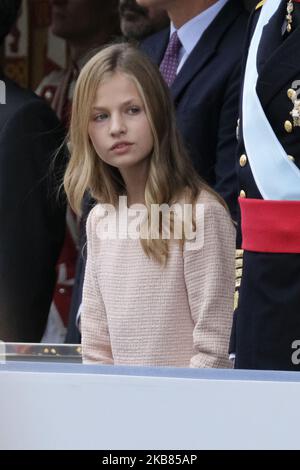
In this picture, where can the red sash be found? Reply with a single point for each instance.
(270, 226)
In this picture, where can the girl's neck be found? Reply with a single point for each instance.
(135, 179)
(135, 199)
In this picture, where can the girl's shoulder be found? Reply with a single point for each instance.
(94, 214)
(99, 212)
(213, 223)
(208, 198)
(215, 209)
(213, 206)
(209, 211)
(212, 211)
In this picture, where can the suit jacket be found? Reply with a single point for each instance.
(267, 319)
(31, 213)
(206, 97)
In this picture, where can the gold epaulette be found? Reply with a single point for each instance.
(238, 267)
(260, 4)
(238, 274)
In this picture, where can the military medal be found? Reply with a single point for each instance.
(289, 18)
(295, 113)
(289, 14)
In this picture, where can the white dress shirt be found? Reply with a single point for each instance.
(191, 32)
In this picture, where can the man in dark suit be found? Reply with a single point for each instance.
(266, 333)
(32, 217)
(206, 84)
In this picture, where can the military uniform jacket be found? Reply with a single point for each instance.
(267, 319)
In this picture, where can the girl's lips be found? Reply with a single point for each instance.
(121, 147)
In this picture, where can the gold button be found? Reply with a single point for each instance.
(288, 126)
(243, 160)
(242, 193)
(290, 157)
(291, 93)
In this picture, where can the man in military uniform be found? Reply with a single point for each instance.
(266, 329)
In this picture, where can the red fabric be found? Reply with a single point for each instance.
(270, 226)
(63, 289)
(62, 299)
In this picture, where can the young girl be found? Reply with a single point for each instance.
(147, 300)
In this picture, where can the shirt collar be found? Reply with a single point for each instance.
(191, 32)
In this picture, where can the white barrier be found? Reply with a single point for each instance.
(60, 406)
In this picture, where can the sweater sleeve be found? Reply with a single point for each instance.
(96, 346)
(209, 276)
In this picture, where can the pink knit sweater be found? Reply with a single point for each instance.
(136, 312)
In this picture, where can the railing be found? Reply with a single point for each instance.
(37, 352)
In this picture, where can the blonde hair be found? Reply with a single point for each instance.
(171, 174)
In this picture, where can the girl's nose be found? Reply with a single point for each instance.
(118, 125)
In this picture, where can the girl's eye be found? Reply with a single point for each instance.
(101, 117)
(133, 110)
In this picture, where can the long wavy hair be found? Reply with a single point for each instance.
(171, 174)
